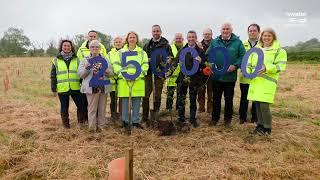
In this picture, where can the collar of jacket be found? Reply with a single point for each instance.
(246, 42)
(84, 44)
(196, 47)
(59, 56)
(114, 50)
(162, 42)
(257, 41)
(203, 42)
(126, 48)
(174, 44)
(232, 38)
(275, 45)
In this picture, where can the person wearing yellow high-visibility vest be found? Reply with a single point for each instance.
(84, 51)
(113, 56)
(171, 82)
(66, 82)
(253, 33)
(262, 88)
(138, 85)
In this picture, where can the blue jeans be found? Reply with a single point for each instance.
(135, 109)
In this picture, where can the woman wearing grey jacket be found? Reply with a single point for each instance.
(95, 95)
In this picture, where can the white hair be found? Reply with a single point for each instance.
(227, 24)
(94, 43)
(118, 37)
(178, 34)
(207, 30)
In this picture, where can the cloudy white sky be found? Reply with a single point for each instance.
(43, 20)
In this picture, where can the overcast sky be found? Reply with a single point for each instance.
(43, 20)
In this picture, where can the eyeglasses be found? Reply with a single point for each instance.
(94, 46)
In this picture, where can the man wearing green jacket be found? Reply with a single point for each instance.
(224, 84)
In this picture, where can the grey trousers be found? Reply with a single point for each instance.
(264, 114)
(96, 110)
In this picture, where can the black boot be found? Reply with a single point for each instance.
(127, 128)
(194, 123)
(86, 117)
(227, 123)
(267, 131)
(254, 120)
(114, 117)
(183, 127)
(242, 121)
(147, 122)
(65, 120)
(81, 118)
(259, 130)
(213, 122)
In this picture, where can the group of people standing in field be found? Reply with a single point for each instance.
(72, 72)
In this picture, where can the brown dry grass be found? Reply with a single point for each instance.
(33, 144)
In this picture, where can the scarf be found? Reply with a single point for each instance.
(66, 56)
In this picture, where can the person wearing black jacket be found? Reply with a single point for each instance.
(192, 82)
(207, 83)
(66, 82)
(157, 42)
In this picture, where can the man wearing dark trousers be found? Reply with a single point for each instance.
(207, 83)
(189, 82)
(171, 82)
(156, 42)
(224, 84)
(253, 33)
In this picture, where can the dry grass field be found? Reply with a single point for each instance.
(33, 144)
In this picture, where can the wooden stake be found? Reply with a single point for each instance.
(6, 83)
(129, 165)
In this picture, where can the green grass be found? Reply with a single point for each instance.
(94, 172)
(316, 122)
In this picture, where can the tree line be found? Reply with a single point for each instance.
(15, 43)
(304, 51)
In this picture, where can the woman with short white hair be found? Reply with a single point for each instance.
(113, 56)
(95, 95)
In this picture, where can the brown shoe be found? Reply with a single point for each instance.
(65, 120)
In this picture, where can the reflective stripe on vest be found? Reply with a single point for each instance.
(67, 78)
(277, 67)
(268, 78)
